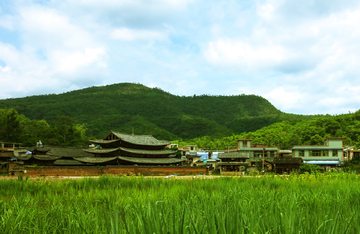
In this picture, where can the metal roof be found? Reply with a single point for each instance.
(324, 162)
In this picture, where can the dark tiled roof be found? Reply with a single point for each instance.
(234, 155)
(25, 157)
(40, 149)
(67, 152)
(152, 160)
(141, 139)
(63, 162)
(96, 159)
(101, 151)
(104, 141)
(151, 152)
(45, 157)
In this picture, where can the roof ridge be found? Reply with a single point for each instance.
(131, 134)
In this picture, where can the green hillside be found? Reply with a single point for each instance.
(131, 107)
(286, 134)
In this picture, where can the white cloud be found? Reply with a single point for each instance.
(244, 55)
(301, 55)
(126, 34)
(71, 61)
(266, 11)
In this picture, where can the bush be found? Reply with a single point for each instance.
(310, 168)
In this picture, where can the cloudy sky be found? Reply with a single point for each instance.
(303, 56)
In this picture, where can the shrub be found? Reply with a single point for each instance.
(310, 168)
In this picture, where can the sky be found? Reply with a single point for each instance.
(302, 56)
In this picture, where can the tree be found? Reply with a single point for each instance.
(310, 168)
(11, 128)
(316, 140)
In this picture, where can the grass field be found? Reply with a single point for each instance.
(295, 204)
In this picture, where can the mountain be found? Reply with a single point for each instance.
(128, 107)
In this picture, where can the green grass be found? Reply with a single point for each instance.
(268, 204)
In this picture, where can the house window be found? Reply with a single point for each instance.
(318, 153)
(257, 154)
(335, 153)
(301, 153)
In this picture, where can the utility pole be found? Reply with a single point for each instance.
(263, 161)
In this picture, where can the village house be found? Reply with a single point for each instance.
(246, 156)
(7, 150)
(328, 155)
(233, 161)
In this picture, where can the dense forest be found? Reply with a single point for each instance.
(286, 134)
(213, 122)
(128, 107)
(64, 131)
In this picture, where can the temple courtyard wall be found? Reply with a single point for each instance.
(106, 170)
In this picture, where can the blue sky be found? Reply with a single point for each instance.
(303, 56)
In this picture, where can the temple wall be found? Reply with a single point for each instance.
(96, 171)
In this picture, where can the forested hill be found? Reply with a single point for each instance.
(126, 106)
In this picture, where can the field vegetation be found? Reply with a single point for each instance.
(308, 203)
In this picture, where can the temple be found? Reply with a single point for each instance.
(128, 149)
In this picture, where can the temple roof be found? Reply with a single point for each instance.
(37, 148)
(104, 141)
(68, 152)
(152, 152)
(63, 162)
(151, 160)
(101, 151)
(141, 139)
(38, 157)
(96, 159)
(45, 157)
(25, 157)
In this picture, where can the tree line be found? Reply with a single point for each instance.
(64, 131)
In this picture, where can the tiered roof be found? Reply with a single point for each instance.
(96, 159)
(138, 139)
(152, 160)
(148, 152)
(101, 151)
(76, 156)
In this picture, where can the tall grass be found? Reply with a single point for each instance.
(268, 204)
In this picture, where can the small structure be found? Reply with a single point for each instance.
(7, 150)
(286, 164)
(284, 153)
(188, 149)
(350, 153)
(328, 155)
(257, 150)
(234, 161)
